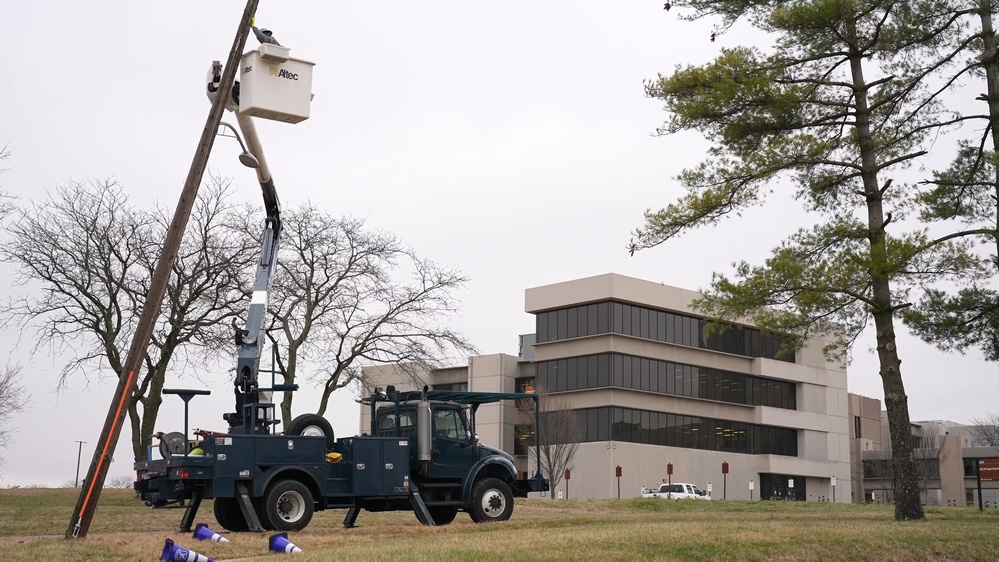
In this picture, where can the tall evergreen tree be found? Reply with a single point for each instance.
(963, 199)
(837, 112)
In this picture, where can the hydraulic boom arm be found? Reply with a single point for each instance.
(249, 417)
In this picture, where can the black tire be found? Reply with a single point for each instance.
(258, 506)
(229, 515)
(312, 424)
(288, 505)
(492, 501)
(442, 514)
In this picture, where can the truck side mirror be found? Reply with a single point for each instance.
(470, 439)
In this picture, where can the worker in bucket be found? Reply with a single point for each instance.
(264, 36)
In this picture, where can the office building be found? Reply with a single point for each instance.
(649, 389)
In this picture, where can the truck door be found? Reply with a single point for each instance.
(453, 450)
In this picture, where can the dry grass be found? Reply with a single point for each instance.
(603, 530)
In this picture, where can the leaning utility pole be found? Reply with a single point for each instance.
(79, 523)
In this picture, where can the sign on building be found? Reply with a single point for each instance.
(988, 470)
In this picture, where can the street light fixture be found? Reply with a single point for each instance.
(247, 159)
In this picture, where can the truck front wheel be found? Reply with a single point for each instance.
(288, 505)
(491, 501)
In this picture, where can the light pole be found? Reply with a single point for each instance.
(78, 454)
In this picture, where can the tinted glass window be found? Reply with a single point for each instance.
(387, 419)
(659, 325)
(447, 423)
(663, 377)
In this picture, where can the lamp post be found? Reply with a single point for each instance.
(724, 480)
(78, 454)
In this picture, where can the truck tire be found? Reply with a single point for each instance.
(229, 515)
(258, 506)
(288, 505)
(443, 514)
(312, 425)
(491, 501)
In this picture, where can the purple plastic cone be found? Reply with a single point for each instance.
(280, 543)
(203, 533)
(177, 553)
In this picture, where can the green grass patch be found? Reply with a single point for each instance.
(32, 522)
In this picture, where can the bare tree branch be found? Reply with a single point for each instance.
(340, 300)
(559, 435)
(14, 399)
(83, 258)
(985, 430)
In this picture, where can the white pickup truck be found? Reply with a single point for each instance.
(676, 491)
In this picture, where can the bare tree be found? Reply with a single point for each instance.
(930, 454)
(121, 481)
(14, 399)
(879, 473)
(6, 201)
(985, 430)
(339, 301)
(203, 297)
(559, 435)
(92, 255)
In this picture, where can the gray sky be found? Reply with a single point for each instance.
(509, 140)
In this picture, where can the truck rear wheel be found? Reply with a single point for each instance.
(258, 506)
(443, 514)
(312, 425)
(288, 505)
(229, 515)
(492, 500)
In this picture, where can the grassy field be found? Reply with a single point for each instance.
(32, 522)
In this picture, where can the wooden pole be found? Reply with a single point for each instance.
(90, 492)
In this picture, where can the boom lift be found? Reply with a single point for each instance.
(422, 453)
(254, 410)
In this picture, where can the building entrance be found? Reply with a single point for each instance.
(782, 487)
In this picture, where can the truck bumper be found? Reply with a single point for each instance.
(536, 484)
(166, 482)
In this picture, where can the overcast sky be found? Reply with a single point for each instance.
(510, 140)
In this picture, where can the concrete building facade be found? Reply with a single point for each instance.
(946, 466)
(631, 359)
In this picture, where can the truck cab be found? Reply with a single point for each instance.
(454, 445)
(450, 467)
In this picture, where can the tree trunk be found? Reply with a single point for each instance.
(151, 408)
(905, 484)
(990, 59)
(289, 378)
